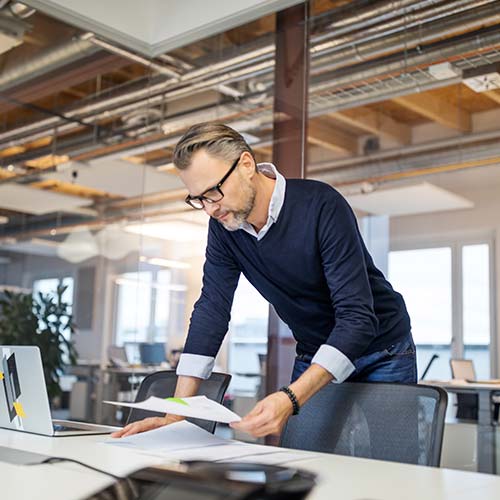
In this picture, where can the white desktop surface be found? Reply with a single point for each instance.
(340, 477)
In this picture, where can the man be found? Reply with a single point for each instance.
(298, 243)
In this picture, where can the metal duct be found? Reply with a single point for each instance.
(169, 90)
(48, 61)
(457, 158)
(413, 37)
(401, 24)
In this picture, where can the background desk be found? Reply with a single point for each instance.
(486, 427)
(344, 478)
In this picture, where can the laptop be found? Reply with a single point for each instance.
(463, 369)
(24, 403)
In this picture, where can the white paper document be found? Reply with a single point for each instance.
(240, 452)
(168, 438)
(195, 407)
(186, 441)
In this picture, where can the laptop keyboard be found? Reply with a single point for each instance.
(63, 428)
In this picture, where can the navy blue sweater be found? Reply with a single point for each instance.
(313, 267)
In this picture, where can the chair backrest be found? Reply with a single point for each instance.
(162, 385)
(462, 369)
(396, 422)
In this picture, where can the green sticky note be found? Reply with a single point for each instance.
(177, 400)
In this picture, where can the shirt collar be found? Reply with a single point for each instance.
(277, 199)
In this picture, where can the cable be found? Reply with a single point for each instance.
(127, 480)
(52, 460)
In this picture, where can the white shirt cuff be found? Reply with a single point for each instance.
(195, 365)
(334, 361)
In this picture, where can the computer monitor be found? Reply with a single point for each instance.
(152, 354)
(133, 353)
(117, 356)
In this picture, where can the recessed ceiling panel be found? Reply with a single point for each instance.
(154, 27)
(409, 200)
(118, 177)
(30, 200)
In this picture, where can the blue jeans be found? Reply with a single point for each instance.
(398, 363)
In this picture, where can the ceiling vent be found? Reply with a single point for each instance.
(482, 78)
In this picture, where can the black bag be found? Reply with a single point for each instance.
(199, 480)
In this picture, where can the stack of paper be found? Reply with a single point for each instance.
(174, 437)
(186, 441)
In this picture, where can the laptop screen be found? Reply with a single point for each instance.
(24, 404)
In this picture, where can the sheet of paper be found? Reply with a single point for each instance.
(195, 407)
(185, 441)
(240, 452)
(179, 436)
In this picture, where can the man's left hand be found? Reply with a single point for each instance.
(268, 416)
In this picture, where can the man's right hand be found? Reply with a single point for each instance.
(147, 424)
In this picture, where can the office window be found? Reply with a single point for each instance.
(423, 277)
(148, 305)
(247, 338)
(476, 306)
(450, 315)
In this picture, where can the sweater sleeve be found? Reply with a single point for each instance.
(343, 260)
(212, 311)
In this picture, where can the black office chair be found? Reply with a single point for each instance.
(162, 385)
(395, 422)
(467, 404)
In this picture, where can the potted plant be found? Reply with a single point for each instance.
(41, 320)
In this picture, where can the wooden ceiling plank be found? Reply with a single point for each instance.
(436, 109)
(324, 134)
(493, 95)
(376, 123)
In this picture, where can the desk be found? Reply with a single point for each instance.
(345, 478)
(109, 384)
(486, 428)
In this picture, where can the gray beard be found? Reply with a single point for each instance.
(241, 216)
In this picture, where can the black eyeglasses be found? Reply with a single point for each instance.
(213, 194)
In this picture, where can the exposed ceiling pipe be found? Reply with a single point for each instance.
(411, 166)
(453, 143)
(263, 67)
(338, 79)
(461, 22)
(159, 68)
(47, 61)
(397, 63)
(90, 37)
(403, 24)
(350, 18)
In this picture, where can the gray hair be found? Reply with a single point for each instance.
(217, 139)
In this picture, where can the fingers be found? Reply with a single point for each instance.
(267, 417)
(141, 426)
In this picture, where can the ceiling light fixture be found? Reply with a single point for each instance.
(172, 230)
(157, 261)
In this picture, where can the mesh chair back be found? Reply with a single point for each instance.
(396, 422)
(162, 385)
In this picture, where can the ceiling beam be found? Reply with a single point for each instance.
(436, 109)
(493, 95)
(375, 122)
(60, 79)
(322, 133)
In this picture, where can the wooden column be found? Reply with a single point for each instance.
(289, 155)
